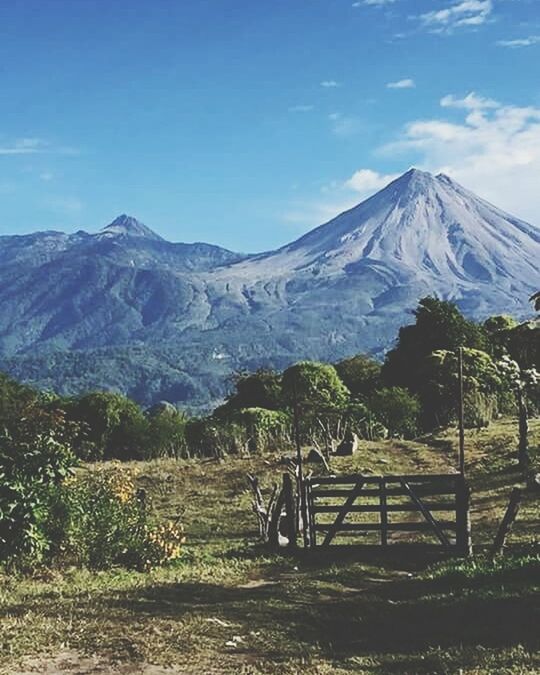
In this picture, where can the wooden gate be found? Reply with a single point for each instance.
(385, 510)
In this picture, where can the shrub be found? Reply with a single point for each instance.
(313, 385)
(360, 374)
(98, 519)
(166, 433)
(265, 429)
(482, 387)
(398, 410)
(35, 456)
(214, 437)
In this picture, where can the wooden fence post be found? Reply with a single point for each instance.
(290, 518)
(506, 523)
(463, 517)
(384, 512)
(461, 413)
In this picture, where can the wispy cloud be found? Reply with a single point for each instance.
(329, 84)
(406, 83)
(34, 146)
(24, 146)
(301, 108)
(345, 126)
(462, 14)
(520, 42)
(373, 3)
(470, 102)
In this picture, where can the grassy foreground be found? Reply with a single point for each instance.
(229, 607)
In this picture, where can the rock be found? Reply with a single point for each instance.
(315, 457)
(348, 446)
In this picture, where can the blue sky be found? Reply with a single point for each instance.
(246, 123)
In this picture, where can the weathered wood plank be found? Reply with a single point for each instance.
(390, 491)
(342, 514)
(391, 478)
(376, 508)
(427, 515)
(394, 527)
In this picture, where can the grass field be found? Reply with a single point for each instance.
(229, 607)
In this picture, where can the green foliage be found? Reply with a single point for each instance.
(313, 385)
(439, 390)
(398, 410)
(35, 454)
(439, 325)
(360, 374)
(14, 399)
(261, 389)
(266, 429)
(166, 433)
(115, 426)
(98, 520)
(214, 437)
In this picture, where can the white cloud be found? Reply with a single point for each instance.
(406, 83)
(301, 108)
(458, 15)
(471, 102)
(520, 42)
(373, 3)
(24, 146)
(329, 84)
(337, 197)
(494, 151)
(367, 181)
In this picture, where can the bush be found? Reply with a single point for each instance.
(314, 386)
(98, 520)
(360, 374)
(35, 456)
(398, 410)
(482, 386)
(214, 437)
(266, 429)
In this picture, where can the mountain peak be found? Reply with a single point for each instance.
(127, 226)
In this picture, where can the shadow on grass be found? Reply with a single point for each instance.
(397, 617)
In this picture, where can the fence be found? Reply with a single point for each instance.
(387, 510)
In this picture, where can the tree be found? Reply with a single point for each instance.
(261, 389)
(115, 426)
(15, 398)
(166, 432)
(439, 325)
(398, 410)
(438, 387)
(314, 386)
(360, 374)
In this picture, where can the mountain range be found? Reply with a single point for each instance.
(126, 310)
